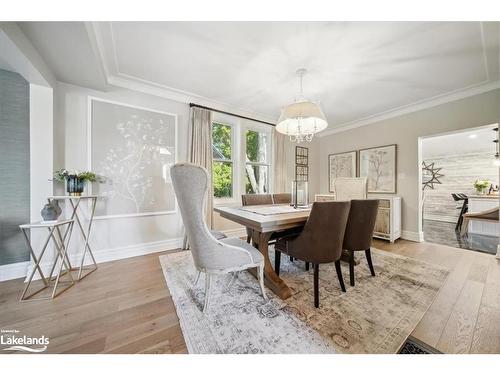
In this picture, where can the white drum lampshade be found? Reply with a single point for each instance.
(301, 120)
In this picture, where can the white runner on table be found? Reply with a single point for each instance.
(274, 210)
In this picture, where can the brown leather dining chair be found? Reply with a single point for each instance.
(282, 198)
(320, 241)
(359, 231)
(255, 200)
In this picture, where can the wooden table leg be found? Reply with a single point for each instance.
(271, 279)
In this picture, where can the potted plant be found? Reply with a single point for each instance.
(481, 185)
(75, 180)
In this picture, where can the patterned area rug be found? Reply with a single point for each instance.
(375, 316)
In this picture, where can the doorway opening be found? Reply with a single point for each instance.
(459, 178)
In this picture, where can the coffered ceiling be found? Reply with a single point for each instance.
(359, 71)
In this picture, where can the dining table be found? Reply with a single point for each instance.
(264, 221)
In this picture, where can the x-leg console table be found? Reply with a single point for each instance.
(61, 247)
(76, 204)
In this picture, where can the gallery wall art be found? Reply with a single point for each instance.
(301, 163)
(132, 148)
(341, 165)
(378, 164)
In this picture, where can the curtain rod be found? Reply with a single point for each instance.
(230, 114)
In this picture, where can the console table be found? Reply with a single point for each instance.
(61, 247)
(76, 206)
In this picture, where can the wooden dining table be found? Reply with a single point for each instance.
(264, 220)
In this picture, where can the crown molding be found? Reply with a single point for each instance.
(110, 68)
(414, 107)
(114, 77)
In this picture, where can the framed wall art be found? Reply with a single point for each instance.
(132, 148)
(301, 163)
(378, 164)
(341, 165)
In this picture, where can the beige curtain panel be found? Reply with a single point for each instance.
(280, 176)
(200, 149)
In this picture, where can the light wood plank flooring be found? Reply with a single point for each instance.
(125, 307)
(465, 316)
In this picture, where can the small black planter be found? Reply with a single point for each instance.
(74, 185)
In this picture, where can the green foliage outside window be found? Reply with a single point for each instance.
(222, 179)
(222, 166)
(222, 172)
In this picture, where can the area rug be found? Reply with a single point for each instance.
(375, 316)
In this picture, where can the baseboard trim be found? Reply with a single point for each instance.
(412, 236)
(116, 253)
(13, 271)
(111, 254)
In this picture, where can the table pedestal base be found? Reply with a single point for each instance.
(271, 279)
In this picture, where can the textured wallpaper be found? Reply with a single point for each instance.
(14, 166)
(460, 172)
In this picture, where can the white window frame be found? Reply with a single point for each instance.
(259, 129)
(233, 161)
(238, 154)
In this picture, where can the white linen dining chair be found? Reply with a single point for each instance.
(349, 188)
(211, 256)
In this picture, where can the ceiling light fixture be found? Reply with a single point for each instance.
(472, 136)
(302, 119)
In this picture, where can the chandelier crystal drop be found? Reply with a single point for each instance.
(302, 119)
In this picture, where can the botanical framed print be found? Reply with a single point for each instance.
(132, 148)
(341, 165)
(378, 164)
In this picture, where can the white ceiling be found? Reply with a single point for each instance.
(465, 142)
(357, 70)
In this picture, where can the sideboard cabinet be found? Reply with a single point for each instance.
(388, 224)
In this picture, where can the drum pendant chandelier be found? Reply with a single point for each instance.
(302, 119)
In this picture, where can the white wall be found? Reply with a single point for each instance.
(118, 237)
(405, 131)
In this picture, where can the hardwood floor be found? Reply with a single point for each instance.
(125, 307)
(465, 317)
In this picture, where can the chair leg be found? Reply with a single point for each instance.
(249, 239)
(261, 281)
(316, 285)
(369, 259)
(351, 267)
(197, 278)
(291, 259)
(461, 217)
(465, 227)
(307, 266)
(208, 278)
(339, 275)
(277, 261)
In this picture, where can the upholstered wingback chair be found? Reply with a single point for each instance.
(347, 188)
(211, 256)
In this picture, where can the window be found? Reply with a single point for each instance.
(241, 161)
(222, 165)
(256, 163)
